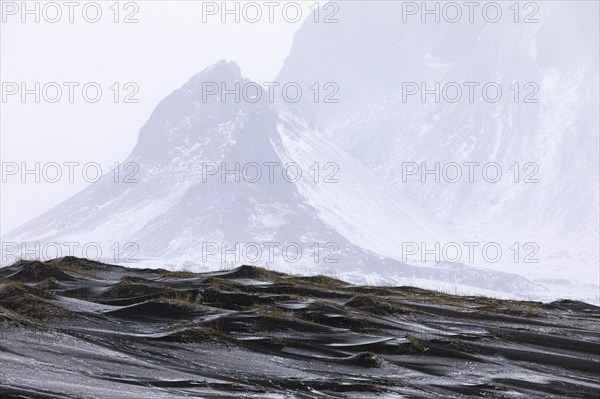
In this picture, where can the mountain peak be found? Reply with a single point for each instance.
(221, 71)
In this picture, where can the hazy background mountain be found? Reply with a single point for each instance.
(370, 53)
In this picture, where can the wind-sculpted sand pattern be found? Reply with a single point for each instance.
(73, 328)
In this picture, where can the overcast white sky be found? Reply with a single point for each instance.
(168, 45)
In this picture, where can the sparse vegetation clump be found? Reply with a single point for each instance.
(252, 272)
(179, 274)
(180, 296)
(317, 281)
(374, 305)
(29, 303)
(76, 269)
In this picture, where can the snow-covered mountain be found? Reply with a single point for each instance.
(546, 120)
(184, 208)
(354, 207)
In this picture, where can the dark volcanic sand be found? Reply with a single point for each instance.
(73, 328)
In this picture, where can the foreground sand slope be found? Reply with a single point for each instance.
(73, 328)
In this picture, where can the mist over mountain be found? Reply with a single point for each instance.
(187, 208)
(213, 187)
(410, 208)
(541, 134)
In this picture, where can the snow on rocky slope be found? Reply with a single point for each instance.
(541, 134)
(185, 209)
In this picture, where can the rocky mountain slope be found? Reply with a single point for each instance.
(541, 133)
(185, 206)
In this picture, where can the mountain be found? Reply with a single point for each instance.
(343, 221)
(548, 131)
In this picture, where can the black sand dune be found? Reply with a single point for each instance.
(73, 328)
